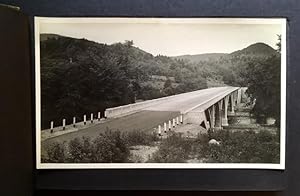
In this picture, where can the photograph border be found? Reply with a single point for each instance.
(39, 165)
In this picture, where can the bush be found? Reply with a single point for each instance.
(133, 138)
(81, 150)
(244, 147)
(174, 149)
(55, 153)
(110, 148)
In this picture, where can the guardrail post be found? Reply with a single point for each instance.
(51, 126)
(170, 125)
(165, 127)
(159, 130)
(174, 124)
(64, 124)
(181, 119)
(84, 119)
(74, 121)
(177, 120)
(99, 116)
(92, 117)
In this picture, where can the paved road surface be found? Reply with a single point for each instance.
(143, 121)
(187, 101)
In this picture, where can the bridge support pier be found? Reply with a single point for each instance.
(212, 115)
(239, 96)
(231, 108)
(224, 117)
(218, 116)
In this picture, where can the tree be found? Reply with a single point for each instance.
(279, 44)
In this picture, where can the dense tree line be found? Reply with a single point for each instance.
(263, 81)
(80, 76)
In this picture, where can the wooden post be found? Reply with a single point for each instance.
(177, 120)
(181, 119)
(174, 124)
(92, 117)
(74, 121)
(170, 125)
(165, 127)
(99, 116)
(51, 126)
(84, 119)
(64, 124)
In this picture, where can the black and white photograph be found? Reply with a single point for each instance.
(160, 93)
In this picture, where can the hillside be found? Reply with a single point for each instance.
(201, 57)
(79, 75)
(46, 36)
(257, 49)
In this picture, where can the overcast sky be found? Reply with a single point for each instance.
(171, 39)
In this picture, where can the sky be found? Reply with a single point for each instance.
(170, 38)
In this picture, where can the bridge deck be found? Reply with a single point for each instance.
(151, 116)
(186, 101)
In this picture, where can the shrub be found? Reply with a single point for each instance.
(55, 153)
(200, 147)
(110, 148)
(136, 137)
(244, 147)
(174, 149)
(80, 150)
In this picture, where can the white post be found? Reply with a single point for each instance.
(159, 130)
(92, 117)
(177, 120)
(74, 121)
(99, 116)
(174, 124)
(51, 126)
(84, 119)
(64, 124)
(170, 125)
(165, 127)
(181, 119)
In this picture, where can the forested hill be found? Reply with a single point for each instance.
(229, 68)
(257, 49)
(81, 76)
(196, 58)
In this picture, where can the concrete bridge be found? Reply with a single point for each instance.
(208, 108)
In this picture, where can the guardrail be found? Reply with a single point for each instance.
(135, 107)
(211, 101)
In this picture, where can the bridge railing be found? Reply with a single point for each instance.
(135, 107)
(211, 101)
(130, 108)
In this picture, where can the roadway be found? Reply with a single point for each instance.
(142, 121)
(185, 101)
